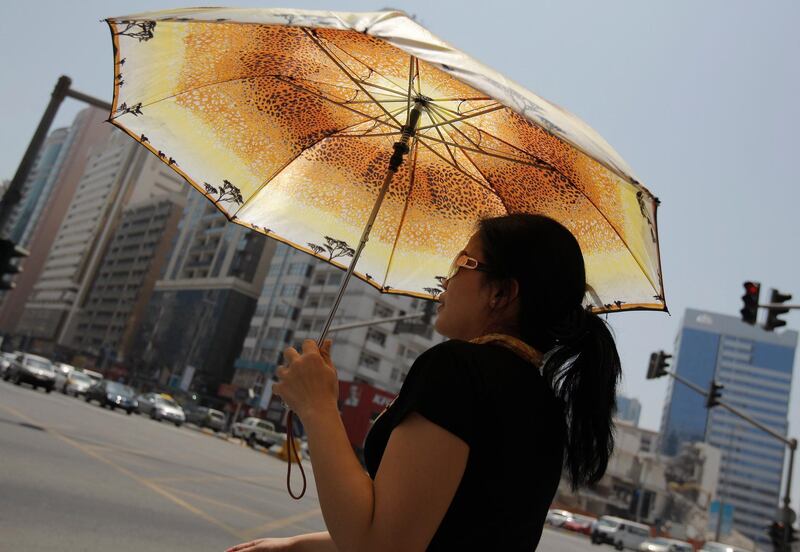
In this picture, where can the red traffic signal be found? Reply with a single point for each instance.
(749, 311)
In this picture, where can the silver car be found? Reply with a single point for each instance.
(77, 383)
(161, 407)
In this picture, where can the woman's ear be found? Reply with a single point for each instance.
(505, 293)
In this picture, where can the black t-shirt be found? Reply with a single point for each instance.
(500, 405)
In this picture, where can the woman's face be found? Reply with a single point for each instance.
(464, 309)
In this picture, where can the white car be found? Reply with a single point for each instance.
(557, 518)
(620, 533)
(661, 544)
(720, 547)
(257, 431)
(63, 370)
(77, 383)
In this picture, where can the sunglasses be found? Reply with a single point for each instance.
(465, 261)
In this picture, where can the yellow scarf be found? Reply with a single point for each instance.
(514, 344)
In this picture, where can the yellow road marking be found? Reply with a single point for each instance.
(217, 502)
(192, 478)
(280, 523)
(142, 481)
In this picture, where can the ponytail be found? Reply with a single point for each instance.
(581, 360)
(584, 372)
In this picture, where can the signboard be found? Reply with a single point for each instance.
(188, 375)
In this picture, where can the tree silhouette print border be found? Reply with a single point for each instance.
(226, 192)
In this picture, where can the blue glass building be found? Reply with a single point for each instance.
(755, 366)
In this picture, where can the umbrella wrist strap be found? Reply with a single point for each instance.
(292, 453)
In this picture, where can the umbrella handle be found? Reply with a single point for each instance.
(292, 453)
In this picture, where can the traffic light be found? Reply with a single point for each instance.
(714, 394)
(773, 313)
(658, 365)
(430, 308)
(776, 535)
(8, 267)
(750, 298)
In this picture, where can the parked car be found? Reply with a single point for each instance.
(557, 518)
(202, 416)
(161, 407)
(97, 377)
(63, 370)
(662, 544)
(257, 431)
(712, 546)
(77, 383)
(5, 361)
(113, 395)
(32, 369)
(580, 524)
(620, 533)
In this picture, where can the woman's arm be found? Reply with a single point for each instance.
(313, 542)
(419, 473)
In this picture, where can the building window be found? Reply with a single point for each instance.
(376, 336)
(297, 268)
(395, 374)
(334, 278)
(313, 301)
(382, 311)
(319, 280)
(369, 361)
(327, 301)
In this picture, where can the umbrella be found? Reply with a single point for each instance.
(364, 140)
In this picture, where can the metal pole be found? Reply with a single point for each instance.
(14, 192)
(787, 521)
(373, 322)
(791, 443)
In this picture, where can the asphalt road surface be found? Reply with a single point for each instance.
(75, 477)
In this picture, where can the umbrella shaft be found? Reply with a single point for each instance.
(400, 149)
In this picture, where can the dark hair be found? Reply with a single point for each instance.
(581, 363)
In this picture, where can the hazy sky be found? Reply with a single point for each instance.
(702, 99)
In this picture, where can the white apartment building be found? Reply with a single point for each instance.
(116, 174)
(296, 299)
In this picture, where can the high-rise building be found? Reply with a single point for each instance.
(87, 133)
(296, 299)
(202, 304)
(134, 259)
(119, 173)
(628, 409)
(755, 366)
(36, 189)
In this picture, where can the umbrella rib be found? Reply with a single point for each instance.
(439, 132)
(465, 117)
(488, 182)
(372, 70)
(342, 68)
(460, 170)
(412, 175)
(291, 160)
(322, 96)
(550, 167)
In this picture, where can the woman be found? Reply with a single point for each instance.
(469, 455)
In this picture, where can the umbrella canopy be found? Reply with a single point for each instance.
(286, 120)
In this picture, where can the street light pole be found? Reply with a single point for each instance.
(61, 91)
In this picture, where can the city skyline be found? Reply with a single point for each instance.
(681, 111)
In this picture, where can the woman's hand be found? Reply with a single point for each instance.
(264, 545)
(308, 381)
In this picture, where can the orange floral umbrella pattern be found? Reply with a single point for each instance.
(286, 120)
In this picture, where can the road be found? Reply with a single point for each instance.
(75, 477)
